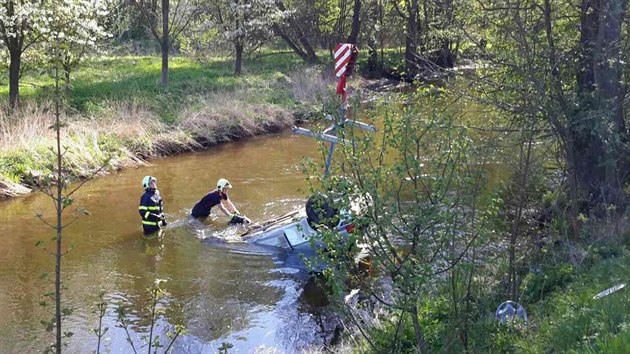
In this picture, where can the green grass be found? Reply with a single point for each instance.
(137, 79)
(565, 318)
(571, 320)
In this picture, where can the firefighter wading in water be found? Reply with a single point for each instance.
(219, 197)
(151, 206)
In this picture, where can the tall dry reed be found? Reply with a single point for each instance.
(226, 117)
(310, 85)
(121, 134)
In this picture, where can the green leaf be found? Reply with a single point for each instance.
(67, 201)
(67, 311)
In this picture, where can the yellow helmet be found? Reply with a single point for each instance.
(223, 183)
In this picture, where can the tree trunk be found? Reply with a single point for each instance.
(282, 34)
(588, 34)
(381, 22)
(304, 49)
(164, 79)
(67, 67)
(420, 342)
(339, 27)
(14, 45)
(14, 76)
(165, 45)
(356, 23)
(609, 68)
(311, 56)
(598, 129)
(609, 82)
(374, 68)
(239, 59)
(411, 39)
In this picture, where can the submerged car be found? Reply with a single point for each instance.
(300, 226)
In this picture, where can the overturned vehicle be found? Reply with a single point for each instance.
(301, 228)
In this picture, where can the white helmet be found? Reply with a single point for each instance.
(223, 183)
(146, 181)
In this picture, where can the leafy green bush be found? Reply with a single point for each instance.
(19, 164)
(394, 336)
(549, 278)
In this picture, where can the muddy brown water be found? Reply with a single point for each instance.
(221, 290)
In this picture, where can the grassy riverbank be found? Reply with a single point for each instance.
(119, 114)
(563, 314)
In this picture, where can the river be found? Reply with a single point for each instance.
(220, 289)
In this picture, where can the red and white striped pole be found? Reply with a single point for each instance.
(345, 60)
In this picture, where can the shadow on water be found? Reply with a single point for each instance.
(316, 291)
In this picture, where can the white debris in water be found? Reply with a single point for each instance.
(284, 270)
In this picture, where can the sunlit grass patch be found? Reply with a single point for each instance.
(137, 78)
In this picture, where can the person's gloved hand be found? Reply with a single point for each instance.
(163, 220)
(239, 219)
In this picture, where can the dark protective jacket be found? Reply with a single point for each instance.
(151, 210)
(202, 208)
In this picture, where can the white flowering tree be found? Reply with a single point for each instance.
(27, 25)
(78, 26)
(247, 24)
(23, 24)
